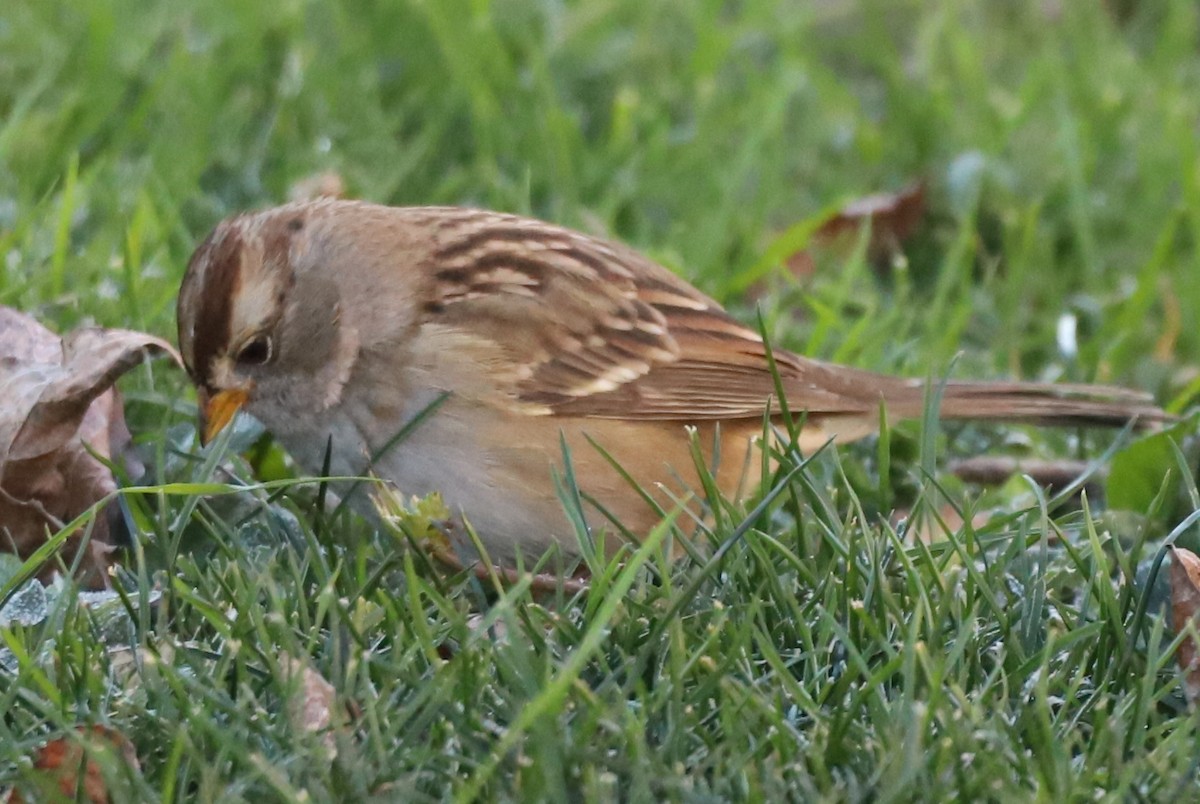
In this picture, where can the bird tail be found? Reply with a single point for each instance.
(1031, 403)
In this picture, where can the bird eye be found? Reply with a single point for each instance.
(256, 352)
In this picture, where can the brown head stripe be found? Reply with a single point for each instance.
(221, 280)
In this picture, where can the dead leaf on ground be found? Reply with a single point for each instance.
(893, 218)
(1185, 606)
(61, 761)
(311, 707)
(56, 401)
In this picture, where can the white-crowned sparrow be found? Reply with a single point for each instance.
(337, 322)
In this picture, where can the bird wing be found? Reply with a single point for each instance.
(597, 330)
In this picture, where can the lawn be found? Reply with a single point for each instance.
(872, 626)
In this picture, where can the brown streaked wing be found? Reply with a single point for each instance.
(604, 332)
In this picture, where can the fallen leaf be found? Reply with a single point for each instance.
(311, 706)
(893, 218)
(61, 762)
(1185, 606)
(56, 403)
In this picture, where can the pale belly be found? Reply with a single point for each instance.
(502, 479)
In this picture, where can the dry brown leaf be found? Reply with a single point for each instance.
(893, 216)
(311, 706)
(61, 761)
(56, 396)
(1185, 606)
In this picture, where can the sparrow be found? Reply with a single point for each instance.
(487, 342)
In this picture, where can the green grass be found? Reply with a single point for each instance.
(825, 654)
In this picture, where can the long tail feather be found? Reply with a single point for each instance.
(1034, 403)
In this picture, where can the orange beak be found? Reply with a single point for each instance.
(218, 411)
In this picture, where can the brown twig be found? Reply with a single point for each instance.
(539, 582)
(991, 470)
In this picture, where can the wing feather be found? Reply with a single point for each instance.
(604, 332)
